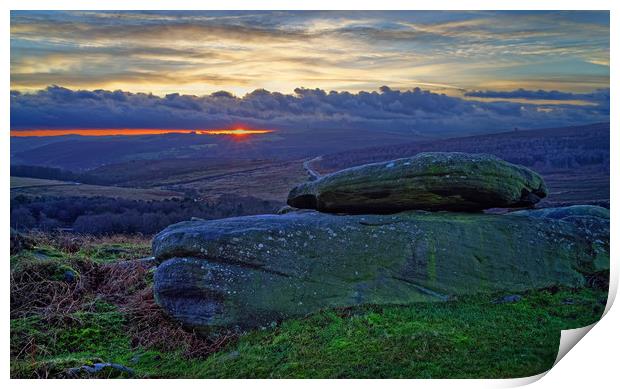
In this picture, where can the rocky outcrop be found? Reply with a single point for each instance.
(250, 271)
(428, 181)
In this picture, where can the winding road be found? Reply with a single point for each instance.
(314, 175)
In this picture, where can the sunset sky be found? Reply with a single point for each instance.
(543, 61)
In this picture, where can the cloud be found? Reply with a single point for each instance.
(599, 99)
(198, 52)
(600, 95)
(415, 110)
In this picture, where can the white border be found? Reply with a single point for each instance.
(314, 5)
(592, 364)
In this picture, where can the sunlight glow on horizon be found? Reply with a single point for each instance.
(236, 132)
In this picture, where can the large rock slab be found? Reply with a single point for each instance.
(250, 271)
(427, 181)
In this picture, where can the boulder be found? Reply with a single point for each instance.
(251, 271)
(428, 181)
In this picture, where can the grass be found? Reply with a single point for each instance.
(54, 188)
(465, 339)
(66, 247)
(472, 337)
(264, 179)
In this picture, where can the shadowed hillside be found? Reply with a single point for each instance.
(80, 153)
(573, 160)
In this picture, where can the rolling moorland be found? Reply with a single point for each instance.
(82, 279)
(82, 153)
(574, 162)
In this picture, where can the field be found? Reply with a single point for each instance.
(208, 178)
(151, 173)
(582, 186)
(76, 301)
(269, 182)
(54, 188)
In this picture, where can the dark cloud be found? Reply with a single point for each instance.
(600, 95)
(388, 109)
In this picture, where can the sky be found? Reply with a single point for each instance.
(265, 68)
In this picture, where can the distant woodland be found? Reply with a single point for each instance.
(104, 215)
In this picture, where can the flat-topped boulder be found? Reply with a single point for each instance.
(250, 271)
(427, 181)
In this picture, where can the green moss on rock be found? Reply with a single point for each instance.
(427, 181)
(251, 271)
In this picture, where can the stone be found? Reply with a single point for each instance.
(285, 209)
(427, 181)
(566, 212)
(98, 368)
(511, 298)
(591, 221)
(69, 276)
(247, 272)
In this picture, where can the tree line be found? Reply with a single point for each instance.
(104, 215)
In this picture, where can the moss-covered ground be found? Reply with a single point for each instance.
(473, 337)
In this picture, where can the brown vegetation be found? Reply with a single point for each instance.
(55, 290)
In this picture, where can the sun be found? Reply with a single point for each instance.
(235, 132)
(239, 131)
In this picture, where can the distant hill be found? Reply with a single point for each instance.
(573, 160)
(545, 150)
(80, 153)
